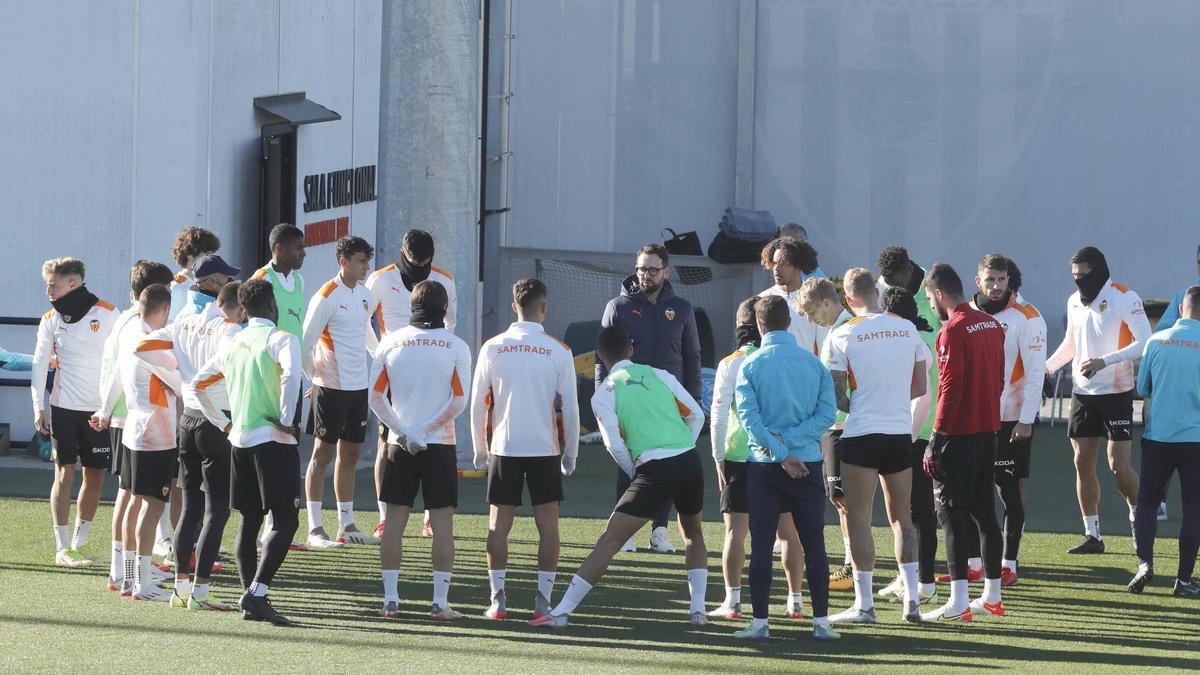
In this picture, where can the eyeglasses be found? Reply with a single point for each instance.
(649, 271)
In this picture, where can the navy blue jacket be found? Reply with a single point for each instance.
(663, 333)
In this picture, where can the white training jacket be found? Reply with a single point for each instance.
(417, 384)
(1024, 360)
(1114, 327)
(79, 347)
(334, 353)
(189, 343)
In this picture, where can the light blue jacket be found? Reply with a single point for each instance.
(1170, 378)
(14, 361)
(197, 302)
(1170, 316)
(784, 398)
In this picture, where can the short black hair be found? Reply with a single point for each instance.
(256, 296)
(228, 295)
(942, 277)
(417, 245)
(528, 292)
(1014, 276)
(283, 233)
(429, 292)
(613, 343)
(993, 261)
(745, 312)
(657, 249)
(146, 273)
(893, 260)
(900, 302)
(347, 246)
(772, 311)
(153, 298)
(1089, 255)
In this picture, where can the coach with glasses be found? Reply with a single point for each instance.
(662, 327)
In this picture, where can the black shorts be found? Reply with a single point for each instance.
(338, 415)
(1102, 415)
(114, 442)
(1012, 459)
(203, 456)
(265, 477)
(432, 472)
(968, 465)
(151, 472)
(888, 453)
(74, 440)
(122, 457)
(507, 477)
(733, 496)
(832, 466)
(678, 479)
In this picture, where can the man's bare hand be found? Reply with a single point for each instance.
(292, 431)
(1021, 432)
(795, 468)
(41, 422)
(1091, 367)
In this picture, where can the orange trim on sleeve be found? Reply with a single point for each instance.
(379, 318)
(381, 382)
(260, 273)
(327, 288)
(455, 384)
(1126, 337)
(158, 392)
(683, 409)
(1120, 287)
(105, 304)
(154, 345)
(208, 381)
(327, 339)
(850, 377)
(851, 322)
(1018, 371)
(441, 271)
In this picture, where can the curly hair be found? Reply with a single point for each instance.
(892, 260)
(194, 241)
(797, 253)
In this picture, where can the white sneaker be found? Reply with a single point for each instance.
(699, 619)
(164, 547)
(630, 546)
(356, 536)
(893, 592)
(158, 576)
(318, 539)
(659, 542)
(854, 615)
(151, 593)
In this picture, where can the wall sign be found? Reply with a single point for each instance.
(339, 188)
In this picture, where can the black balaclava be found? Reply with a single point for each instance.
(413, 274)
(915, 279)
(428, 316)
(1093, 282)
(992, 306)
(747, 334)
(72, 306)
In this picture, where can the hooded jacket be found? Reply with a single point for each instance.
(663, 332)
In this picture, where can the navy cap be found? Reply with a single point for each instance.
(206, 265)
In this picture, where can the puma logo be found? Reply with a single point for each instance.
(641, 382)
(294, 313)
(636, 312)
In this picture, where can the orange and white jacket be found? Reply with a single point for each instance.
(417, 384)
(186, 345)
(522, 379)
(1024, 360)
(391, 302)
(807, 333)
(130, 319)
(1114, 327)
(80, 350)
(334, 353)
(150, 395)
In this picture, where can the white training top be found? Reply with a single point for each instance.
(80, 350)
(187, 344)
(334, 352)
(807, 333)
(522, 378)
(922, 406)
(878, 352)
(130, 318)
(1114, 327)
(179, 288)
(150, 395)
(284, 349)
(417, 384)
(722, 400)
(391, 302)
(840, 420)
(1024, 360)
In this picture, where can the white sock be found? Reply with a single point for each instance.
(975, 563)
(345, 513)
(426, 517)
(991, 591)
(183, 587)
(958, 595)
(441, 588)
(846, 545)
(757, 623)
(116, 566)
(382, 510)
(82, 527)
(496, 580)
(130, 559)
(164, 524)
(199, 590)
(391, 583)
(1091, 526)
(1132, 510)
(928, 589)
(697, 585)
(576, 592)
(863, 597)
(546, 583)
(908, 572)
(60, 538)
(795, 598)
(142, 577)
(258, 590)
(314, 516)
(1010, 564)
(733, 596)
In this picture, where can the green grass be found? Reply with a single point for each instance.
(1068, 613)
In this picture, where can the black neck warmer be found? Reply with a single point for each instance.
(915, 279)
(412, 274)
(992, 307)
(72, 306)
(747, 334)
(1092, 282)
(427, 316)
